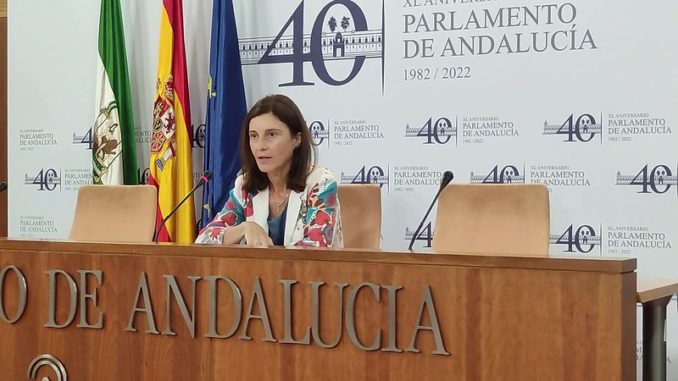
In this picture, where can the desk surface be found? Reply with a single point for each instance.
(655, 288)
(589, 264)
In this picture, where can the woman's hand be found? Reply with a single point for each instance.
(255, 236)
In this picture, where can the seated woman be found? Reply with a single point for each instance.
(280, 198)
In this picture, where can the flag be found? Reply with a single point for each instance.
(226, 109)
(113, 145)
(170, 161)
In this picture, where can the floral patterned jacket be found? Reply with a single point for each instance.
(313, 215)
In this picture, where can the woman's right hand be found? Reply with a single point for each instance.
(255, 235)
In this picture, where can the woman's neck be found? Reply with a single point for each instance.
(278, 181)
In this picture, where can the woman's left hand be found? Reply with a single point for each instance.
(256, 236)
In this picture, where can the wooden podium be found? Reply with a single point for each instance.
(169, 312)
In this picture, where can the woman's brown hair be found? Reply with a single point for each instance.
(302, 159)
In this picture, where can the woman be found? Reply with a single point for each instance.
(281, 198)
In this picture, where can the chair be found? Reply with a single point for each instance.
(115, 213)
(360, 215)
(493, 219)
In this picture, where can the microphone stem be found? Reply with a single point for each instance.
(416, 232)
(164, 220)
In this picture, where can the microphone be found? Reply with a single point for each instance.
(204, 179)
(447, 177)
(3, 186)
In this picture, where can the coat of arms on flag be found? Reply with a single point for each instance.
(107, 142)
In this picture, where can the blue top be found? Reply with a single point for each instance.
(276, 228)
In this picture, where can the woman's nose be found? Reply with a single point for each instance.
(260, 146)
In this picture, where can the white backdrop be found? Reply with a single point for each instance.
(578, 95)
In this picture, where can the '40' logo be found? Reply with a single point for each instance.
(374, 175)
(371, 175)
(656, 180)
(143, 175)
(506, 175)
(438, 132)
(84, 139)
(582, 129)
(46, 180)
(319, 133)
(198, 139)
(425, 235)
(583, 240)
(305, 49)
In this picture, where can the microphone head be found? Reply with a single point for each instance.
(208, 175)
(447, 177)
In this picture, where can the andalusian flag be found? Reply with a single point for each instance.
(113, 146)
(170, 163)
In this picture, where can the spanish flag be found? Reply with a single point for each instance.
(170, 163)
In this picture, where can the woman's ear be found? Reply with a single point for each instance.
(297, 140)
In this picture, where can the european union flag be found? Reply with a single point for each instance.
(226, 109)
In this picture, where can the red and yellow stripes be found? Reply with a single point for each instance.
(170, 162)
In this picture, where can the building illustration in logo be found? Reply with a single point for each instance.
(51, 362)
(349, 45)
(319, 133)
(508, 174)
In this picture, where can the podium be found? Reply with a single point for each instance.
(98, 311)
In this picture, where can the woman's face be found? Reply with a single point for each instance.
(272, 143)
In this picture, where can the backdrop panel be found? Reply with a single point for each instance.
(395, 92)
